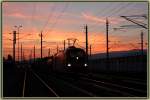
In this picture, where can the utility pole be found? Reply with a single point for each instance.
(23, 56)
(41, 43)
(68, 43)
(49, 52)
(64, 45)
(90, 50)
(31, 55)
(34, 52)
(21, 51)
(142, 42)
(107, 44)
(18, 27)
(57, 49)
(86, 32)
(14, 42)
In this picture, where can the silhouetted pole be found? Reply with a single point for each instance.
(14, 42)
(34, 53)
(68, 43)
(31, 55)
(18, 27)
(86, 32)
(23, 56)
(142, 42)
(49, 52)
(41, 44)
(107, 44)
(90, 50)
(57, 48)
(64, 45)
(21, 51)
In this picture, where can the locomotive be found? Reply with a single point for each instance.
(71, 60)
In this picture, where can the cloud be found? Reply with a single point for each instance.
(93, 18)
(20, 15)
(101, 20)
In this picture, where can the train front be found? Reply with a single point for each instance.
(76, 59)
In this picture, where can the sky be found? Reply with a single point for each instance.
(59, 21)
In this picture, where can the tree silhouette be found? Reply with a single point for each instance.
(9, 57)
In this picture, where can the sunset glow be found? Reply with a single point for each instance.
(61, 20)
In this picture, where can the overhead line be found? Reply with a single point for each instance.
(58, 17)
(107, 11)
(113, 11)
(49, 16)
(120, 9)
(32, 15)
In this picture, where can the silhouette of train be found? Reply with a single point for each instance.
(73, 59)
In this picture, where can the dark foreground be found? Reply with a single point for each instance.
(27, 82)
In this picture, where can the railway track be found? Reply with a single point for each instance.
(117, 87)
(38, 84)
(65, 88)
(98, 89)
(132, 86)
(136, 84)
(34, 86)
(130, 83)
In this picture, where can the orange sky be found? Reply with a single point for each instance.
(63, 24)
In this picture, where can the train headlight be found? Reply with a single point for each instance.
(69, 65)
(77, 58)
(85, 65)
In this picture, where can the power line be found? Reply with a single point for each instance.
(113, 11)
(135, 22)
(106, 12)
(120, 9)
(58, 17)
(49, 16)
(33, 15)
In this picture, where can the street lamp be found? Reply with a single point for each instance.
(18, 27)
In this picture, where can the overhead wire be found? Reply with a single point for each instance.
(105, 11)
(114, 11)
(119, 9)
(31, 22)
(49, 17)
(57, 18)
